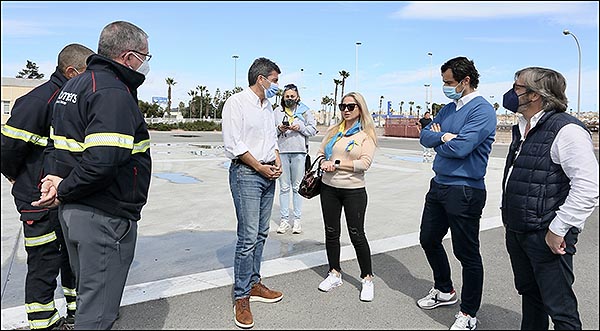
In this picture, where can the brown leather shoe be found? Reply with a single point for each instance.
(261, 293)
(243, 315)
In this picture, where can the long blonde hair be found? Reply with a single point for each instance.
(365, 118)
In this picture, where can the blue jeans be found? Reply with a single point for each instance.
(253, 199)
(293, 170)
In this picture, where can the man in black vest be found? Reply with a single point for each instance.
(550, 188)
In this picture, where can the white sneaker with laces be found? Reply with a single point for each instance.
(464, 322)
(368, 290)
(330, 282)
(283, 226)
(436, 298)
(297, 227)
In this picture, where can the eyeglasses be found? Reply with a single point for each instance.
(147, 55)
(350, 106)
(290, 87)
(515, 85)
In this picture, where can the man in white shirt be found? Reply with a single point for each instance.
(250, 140)
(550, 188)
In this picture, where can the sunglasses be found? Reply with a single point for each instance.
(290, 87)
(349, 106)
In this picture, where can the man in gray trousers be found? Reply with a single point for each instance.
(99, 170)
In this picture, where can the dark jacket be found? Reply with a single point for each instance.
(537, 187)
(24, 138)
(101, 141)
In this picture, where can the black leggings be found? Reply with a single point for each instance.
(354, 202)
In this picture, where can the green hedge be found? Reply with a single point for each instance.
(187, 126)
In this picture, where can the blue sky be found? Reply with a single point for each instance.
(193, 42)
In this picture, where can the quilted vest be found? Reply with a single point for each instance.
(537, 187)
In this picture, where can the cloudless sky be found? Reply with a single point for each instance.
(193, 42)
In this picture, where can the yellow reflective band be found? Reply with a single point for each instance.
(71, 305)
(27, 137)
(69, 291)
(37, 241)
(61, 142)
(35, 307)
(43, 324)
(141, 147)
(109, 139)
(99, 139)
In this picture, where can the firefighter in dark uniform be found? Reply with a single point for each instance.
(25, 137)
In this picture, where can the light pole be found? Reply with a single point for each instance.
(301, 79)
(427, 86)
(380, 102)
(358, 43)
(321, 89)
(566, 32)
(235, 57)
(430, 79)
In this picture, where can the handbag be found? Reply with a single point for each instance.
(310, 186)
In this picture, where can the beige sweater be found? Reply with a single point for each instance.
(361, 156)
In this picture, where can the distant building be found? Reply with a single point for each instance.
(12, 89)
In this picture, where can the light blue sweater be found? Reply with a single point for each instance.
(462, 160)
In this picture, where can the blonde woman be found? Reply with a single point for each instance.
(348, 147)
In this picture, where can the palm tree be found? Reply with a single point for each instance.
(411, 103)
(344, 75)
(418, 111)
(170, 82)
(278, 95)
(337, 82)
(326, 102)
(401, 104)
(193, 94)
(201, 89)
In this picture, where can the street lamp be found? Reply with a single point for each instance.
(358, 43)
(427, 86)
(566, 32)
(235, 57)
(430, 78)
(380, 102)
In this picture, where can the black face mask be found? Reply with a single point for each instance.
(290, 103)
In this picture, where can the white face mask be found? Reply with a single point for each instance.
(144, 69)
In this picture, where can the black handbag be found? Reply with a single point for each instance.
(310, 186)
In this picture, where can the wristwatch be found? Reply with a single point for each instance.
(336, 164)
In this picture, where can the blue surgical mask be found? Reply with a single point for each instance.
(450, 92)
(510, 100)
(272, 90)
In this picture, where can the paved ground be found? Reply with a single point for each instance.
(181, 276)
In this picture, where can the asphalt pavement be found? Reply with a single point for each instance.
(182, 274)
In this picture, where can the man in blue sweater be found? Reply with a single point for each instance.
(462, 134)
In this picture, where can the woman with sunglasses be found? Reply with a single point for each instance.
(348, 147)
(295, 124)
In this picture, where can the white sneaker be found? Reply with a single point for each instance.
(330, 282)
(464, 322)
(368, 290)
(297, 227)
(283, 226)
(436, 298)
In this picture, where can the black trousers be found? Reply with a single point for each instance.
(354, 203)
(544, 280)
(46, 257)
(457, 208)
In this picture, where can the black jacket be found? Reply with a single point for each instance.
(101, 141)
(24, 138)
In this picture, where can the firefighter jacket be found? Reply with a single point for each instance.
(101, 140)
(24, 138)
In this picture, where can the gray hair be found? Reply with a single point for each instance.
(73, 55)
(261, 67)
(548, 83)
(120, 36)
